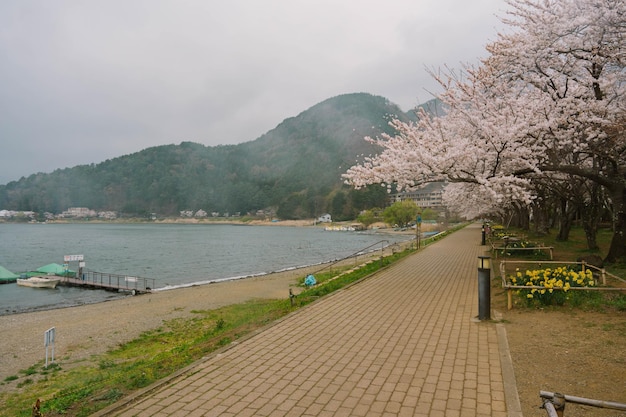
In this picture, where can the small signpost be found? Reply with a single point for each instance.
(74, 258)
(418, 230)
(48, 341)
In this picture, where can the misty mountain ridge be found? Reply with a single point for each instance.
(294, 169)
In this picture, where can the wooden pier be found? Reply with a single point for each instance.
(110, 282)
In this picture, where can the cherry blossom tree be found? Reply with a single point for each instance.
(547, 102)
(570, 56)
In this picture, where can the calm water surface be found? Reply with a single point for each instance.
(173, 254)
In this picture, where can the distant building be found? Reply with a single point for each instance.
(324, 218)
(6, 214)
(201, 213)
(79, 212)
(109, 215)
(428, 196)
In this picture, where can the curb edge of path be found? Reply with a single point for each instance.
(511, 396)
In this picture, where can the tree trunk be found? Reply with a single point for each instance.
(524, 218)
(617, 251)
(590, 235)
(541, 219)
(591, 212)
(519, 217)
(565, 226)
(566, 219)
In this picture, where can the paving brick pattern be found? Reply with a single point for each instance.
(403, 343)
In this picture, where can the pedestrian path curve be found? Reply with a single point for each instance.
(404, 342)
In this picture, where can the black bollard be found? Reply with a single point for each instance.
(483, 241)
(484, 288)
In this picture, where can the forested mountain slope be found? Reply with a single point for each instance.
(295, 169)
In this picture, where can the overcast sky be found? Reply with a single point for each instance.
(86, 81)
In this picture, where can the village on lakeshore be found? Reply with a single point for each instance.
(429, 197)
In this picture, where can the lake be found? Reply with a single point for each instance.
(173, 254)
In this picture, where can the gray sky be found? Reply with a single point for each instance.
(86, 81)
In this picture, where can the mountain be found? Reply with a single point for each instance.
(295, 169)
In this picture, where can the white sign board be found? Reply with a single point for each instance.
(71, 258)
(48, 337)
(48, 340)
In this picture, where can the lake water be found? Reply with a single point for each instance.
(174, 255)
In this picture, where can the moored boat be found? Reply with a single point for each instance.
(6, 276)
(39, 282)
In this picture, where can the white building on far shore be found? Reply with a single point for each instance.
(325, 218)
(428, 196)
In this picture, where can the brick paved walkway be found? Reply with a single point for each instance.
(403, 343)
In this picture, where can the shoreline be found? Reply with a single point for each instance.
(92, 329)
(376, 227)
(115, 296)
(88, 330)
(181, 220)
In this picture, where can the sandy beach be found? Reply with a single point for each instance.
(93, 329)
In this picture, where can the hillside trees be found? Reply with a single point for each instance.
(547, 103)
(401, 213)
(369, 217)
(297, 167)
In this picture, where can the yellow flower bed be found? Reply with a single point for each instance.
(560, 279)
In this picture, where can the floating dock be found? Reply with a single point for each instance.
(110, 282)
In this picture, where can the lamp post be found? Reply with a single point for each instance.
(483, 241)
(484, 288)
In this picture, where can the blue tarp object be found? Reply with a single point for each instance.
(310, 281)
